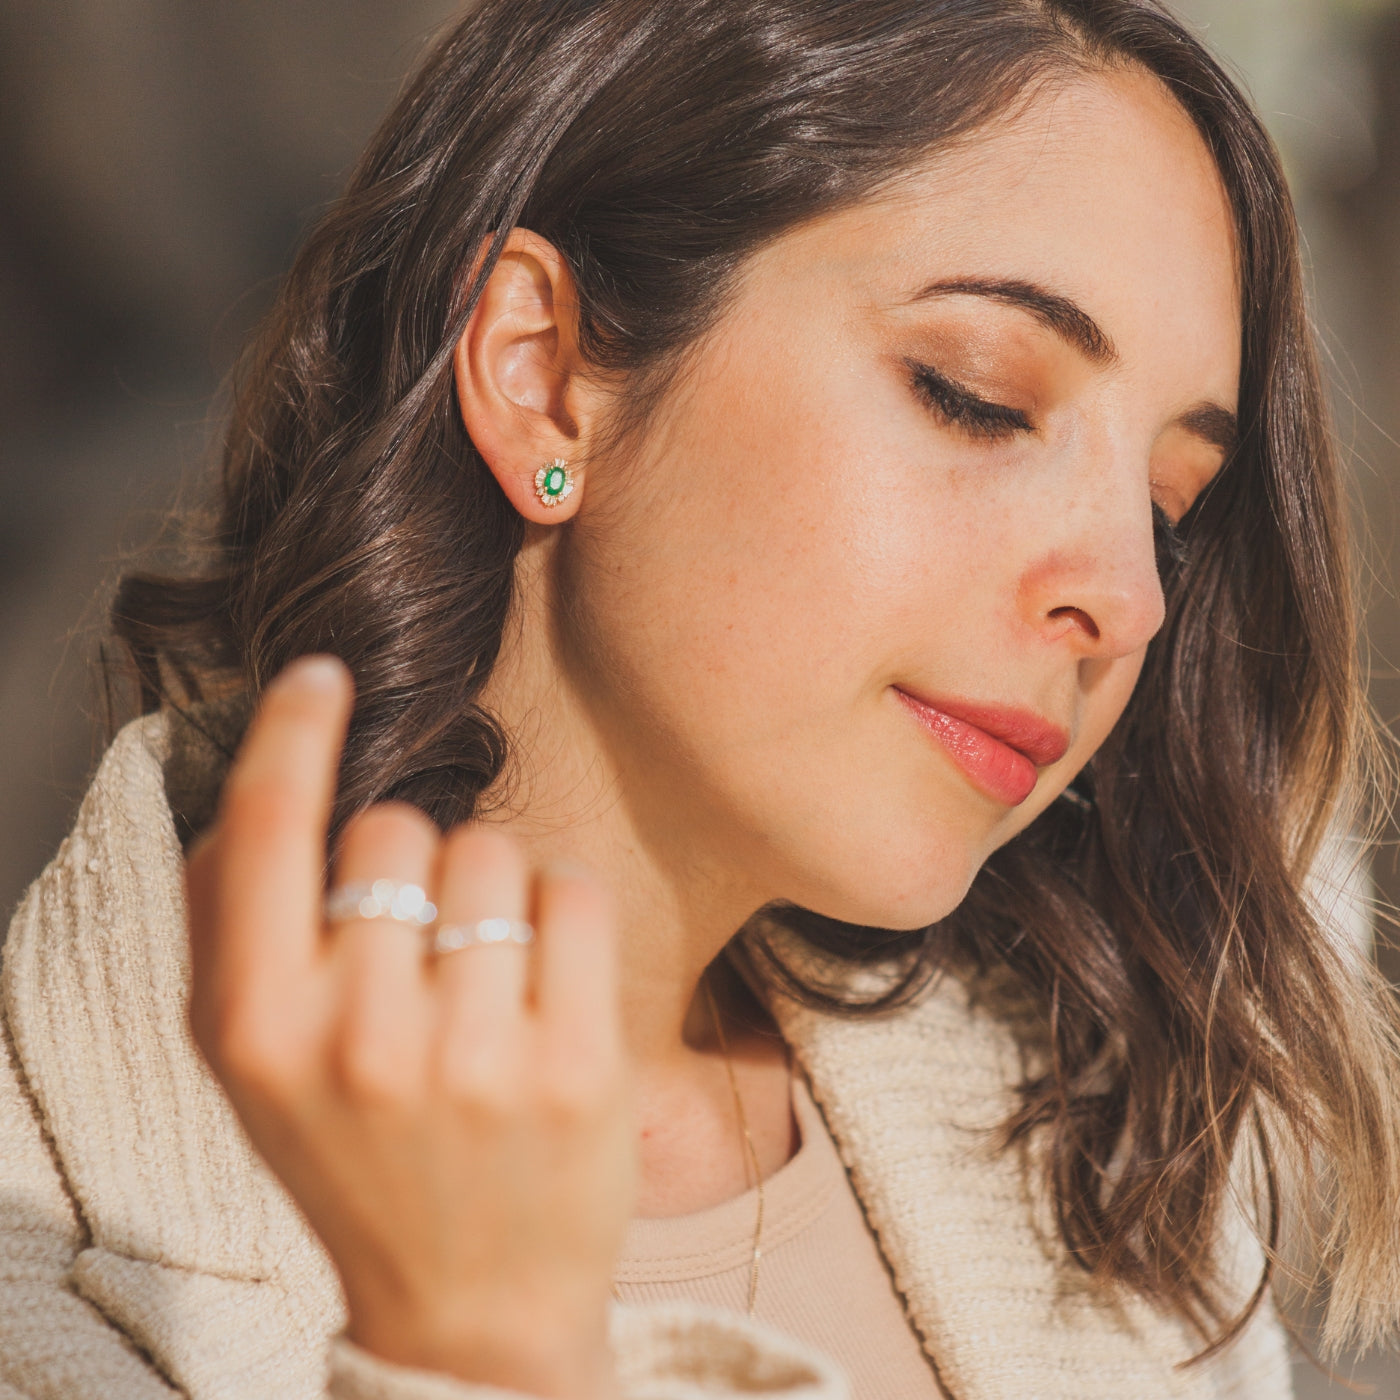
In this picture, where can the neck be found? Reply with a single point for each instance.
(674, 916)
(572, 792)
(575, 791)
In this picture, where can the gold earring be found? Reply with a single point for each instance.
(554, 482)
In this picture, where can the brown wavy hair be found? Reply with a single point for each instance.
(1192, 1005)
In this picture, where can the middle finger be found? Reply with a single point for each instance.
(383, 987)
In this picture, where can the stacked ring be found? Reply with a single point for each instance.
(384, 899)
(450, 938)
(409, 904)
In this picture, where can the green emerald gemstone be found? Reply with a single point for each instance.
(554, 482)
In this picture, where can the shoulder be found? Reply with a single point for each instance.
(117, 877)
(915, 1098)
(107, 904)
(156, 785)
(103, 927)
(95, 989)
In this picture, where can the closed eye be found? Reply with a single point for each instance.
(977, 417)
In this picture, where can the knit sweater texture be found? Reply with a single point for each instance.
(146, 1251)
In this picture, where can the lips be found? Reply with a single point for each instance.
(999, 748)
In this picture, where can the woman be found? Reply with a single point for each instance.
(828, 511)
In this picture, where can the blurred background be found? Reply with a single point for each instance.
(160, 160)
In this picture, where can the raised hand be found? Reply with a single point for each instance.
(457, 1127)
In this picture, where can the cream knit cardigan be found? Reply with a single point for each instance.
(146, 1251)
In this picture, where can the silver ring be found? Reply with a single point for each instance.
(384, 899)
(451, 938)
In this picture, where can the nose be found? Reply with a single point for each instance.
(1094, 584)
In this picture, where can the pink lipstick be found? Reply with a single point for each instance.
(999, 748)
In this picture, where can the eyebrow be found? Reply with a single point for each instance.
(1057, 313)
(1068, 320)
(1216, 425)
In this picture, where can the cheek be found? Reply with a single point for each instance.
(746, 595)
(747, 554)
(1106, 687)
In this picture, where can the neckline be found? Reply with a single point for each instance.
(719, 1238)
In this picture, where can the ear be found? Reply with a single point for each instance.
(521, 386)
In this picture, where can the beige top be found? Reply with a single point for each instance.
(822, 1279)
(146, 1253)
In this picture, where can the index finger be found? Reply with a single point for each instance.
(269, 840)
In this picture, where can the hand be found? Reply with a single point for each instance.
(457, 1129)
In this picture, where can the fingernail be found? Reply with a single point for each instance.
(322, 673)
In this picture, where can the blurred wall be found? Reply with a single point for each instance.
(1326, 77)
(160, 159)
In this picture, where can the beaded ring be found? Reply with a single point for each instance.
(383, 899)
(450, 938)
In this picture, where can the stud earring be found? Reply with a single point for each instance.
(554, 482)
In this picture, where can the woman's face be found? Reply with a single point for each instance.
(881, 576)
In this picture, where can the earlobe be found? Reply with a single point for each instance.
(521, 390)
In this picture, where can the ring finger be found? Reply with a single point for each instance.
(483, 876)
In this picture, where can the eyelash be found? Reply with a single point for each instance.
(996, 422)
(1172, 547)
(990, 422)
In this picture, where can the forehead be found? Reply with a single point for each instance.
(1099, 186)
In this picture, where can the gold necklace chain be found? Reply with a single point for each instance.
(751, 1162)
(751, 1165)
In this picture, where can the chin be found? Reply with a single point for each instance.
(894, 890)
